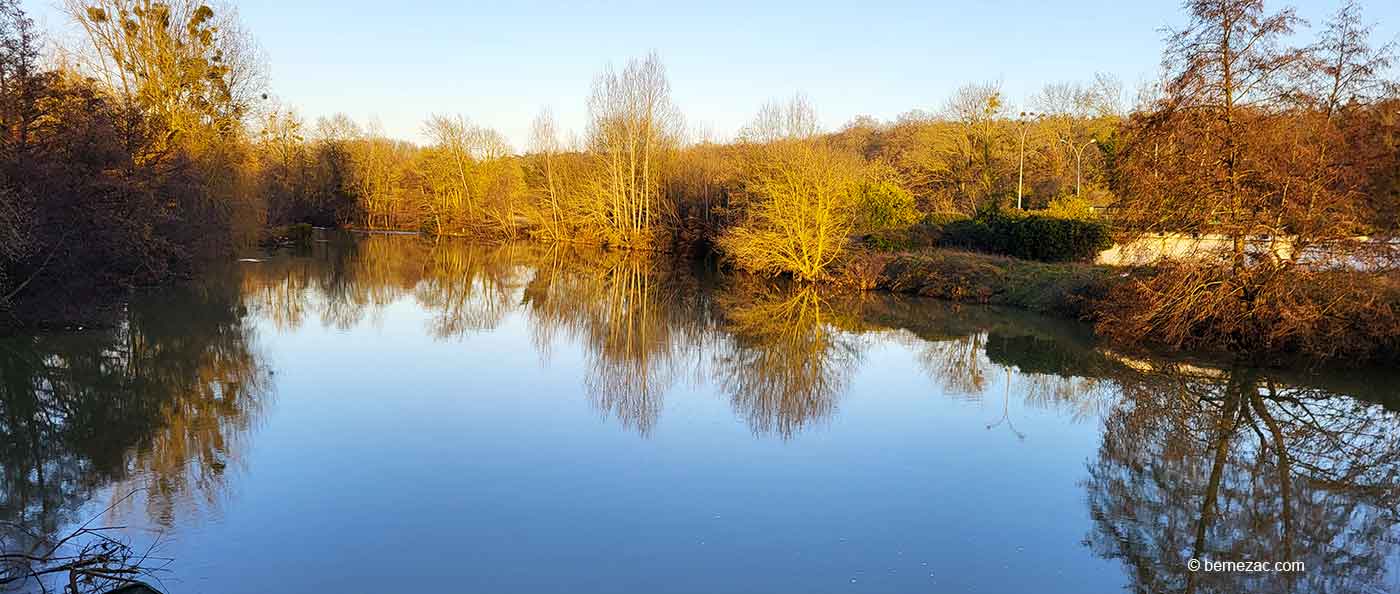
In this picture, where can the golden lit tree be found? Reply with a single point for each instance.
(190, 64)
(801, 200)
(632, 127)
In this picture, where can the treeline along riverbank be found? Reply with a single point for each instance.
(151, 146)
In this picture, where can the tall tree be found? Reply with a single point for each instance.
(180, 59)
(1230, 152)
(1226, 65)
(20, 83)
(1347, 68)
(632, 127)
(979, 110)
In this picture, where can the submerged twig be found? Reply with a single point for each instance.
(93, 560)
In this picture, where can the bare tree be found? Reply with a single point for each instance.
(189, 63)
(801, 198)
(1226, 65)
(632, 127)
(795, 119)
(451, 138)
(979, 110)
(1346, 68)
(553, 217)
(1073, 117)
(1227, 152)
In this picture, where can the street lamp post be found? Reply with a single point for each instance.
(1079, 163)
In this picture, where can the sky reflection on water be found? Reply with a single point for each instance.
(386, 414)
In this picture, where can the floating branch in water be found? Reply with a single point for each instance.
(93, 561)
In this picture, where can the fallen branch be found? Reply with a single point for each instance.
(93, 561)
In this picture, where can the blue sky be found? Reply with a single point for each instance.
(499, 62)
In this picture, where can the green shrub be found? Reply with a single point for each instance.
(972, 234)
(1071, 207)
(899, 240)
(889, 241)
(924, 234)
(884, 204)
(1028, 236)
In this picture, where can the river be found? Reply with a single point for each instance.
(390, 414)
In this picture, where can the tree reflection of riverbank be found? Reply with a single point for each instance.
(1231, 465)
(786, 357)
(1207, 461)
(160, 405)
(637, 317)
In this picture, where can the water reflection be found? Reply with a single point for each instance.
(160, 404)
(1232, 465)
(1212, 462)
(639, 319)
(788, 354)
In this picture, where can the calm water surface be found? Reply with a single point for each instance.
(383, 414)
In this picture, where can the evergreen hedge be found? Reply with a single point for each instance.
(1028, 236)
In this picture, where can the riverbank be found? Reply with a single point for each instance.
(1351, 317)
(1083, 292)
(1338, 317)
(1063, 289)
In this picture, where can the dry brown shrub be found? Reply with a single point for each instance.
(862, 269)
(1263, 312)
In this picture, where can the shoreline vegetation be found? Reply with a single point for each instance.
(152, 148)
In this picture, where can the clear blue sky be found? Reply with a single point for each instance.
(499, 62)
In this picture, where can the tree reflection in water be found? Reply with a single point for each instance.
(785, 359)
(639, 320)
(1220, 464)
(959, 365)
(1235, 466)
(469, 290)
(162, 403)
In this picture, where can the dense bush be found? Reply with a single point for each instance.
(1071, 207)
(943, 219)
(883, 204)
(913, 237)
(926, 233)
(1028, 236)
(800, 212)
(101, 189)
(973, 234)
(1343, 316)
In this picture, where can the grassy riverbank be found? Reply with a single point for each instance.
(1065, 289)
(1338, 317)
